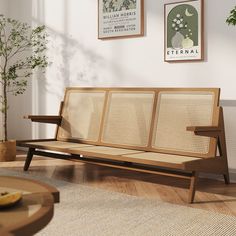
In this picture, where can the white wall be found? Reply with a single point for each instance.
(80, 59)
(3, 7)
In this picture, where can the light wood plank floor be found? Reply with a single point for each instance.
(212, 195)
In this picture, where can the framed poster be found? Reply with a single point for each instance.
(184, 31)
(120, 18)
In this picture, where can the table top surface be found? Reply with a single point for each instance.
(33, 212)
(27, 186)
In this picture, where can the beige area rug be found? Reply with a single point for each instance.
(88, 211)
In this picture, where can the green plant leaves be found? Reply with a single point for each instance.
(231, 20)
(22, 50)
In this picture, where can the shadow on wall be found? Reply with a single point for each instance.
(66, 56)
(72, 64)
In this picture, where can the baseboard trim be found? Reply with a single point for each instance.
(232, 174)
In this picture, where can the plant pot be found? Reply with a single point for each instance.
(8, 150)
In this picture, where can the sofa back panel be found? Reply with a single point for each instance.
(128, 118)
(175, 111)
(82, 114)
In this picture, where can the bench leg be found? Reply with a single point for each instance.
(226, 178)
(192, 187)
(29, 158)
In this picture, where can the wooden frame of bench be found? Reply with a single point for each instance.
(214, 164)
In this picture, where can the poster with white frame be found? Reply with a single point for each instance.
(120, 18)
(184, 31)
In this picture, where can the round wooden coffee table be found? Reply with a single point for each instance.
(33, 212)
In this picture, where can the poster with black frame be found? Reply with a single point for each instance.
(120, 18)
(184, 31)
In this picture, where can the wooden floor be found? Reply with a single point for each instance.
(212, 195)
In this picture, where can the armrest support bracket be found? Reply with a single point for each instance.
(45, 119)
(208, 131)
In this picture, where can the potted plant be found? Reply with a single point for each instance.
(22, 50)
(231, 20)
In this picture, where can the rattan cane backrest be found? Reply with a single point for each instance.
(82, 113)
(128, 118)
(149, 119)
(177, 110)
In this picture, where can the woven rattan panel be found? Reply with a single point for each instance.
(82, 113)
(128, 118)
(176, 111)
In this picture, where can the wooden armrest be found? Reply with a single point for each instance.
(45, 119)
(203, 128)
(207, 131)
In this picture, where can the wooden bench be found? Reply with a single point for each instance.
(167, 131)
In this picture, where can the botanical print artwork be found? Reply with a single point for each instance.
(120, 18)
(182, 25)
(118, 5)
(183, 31)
